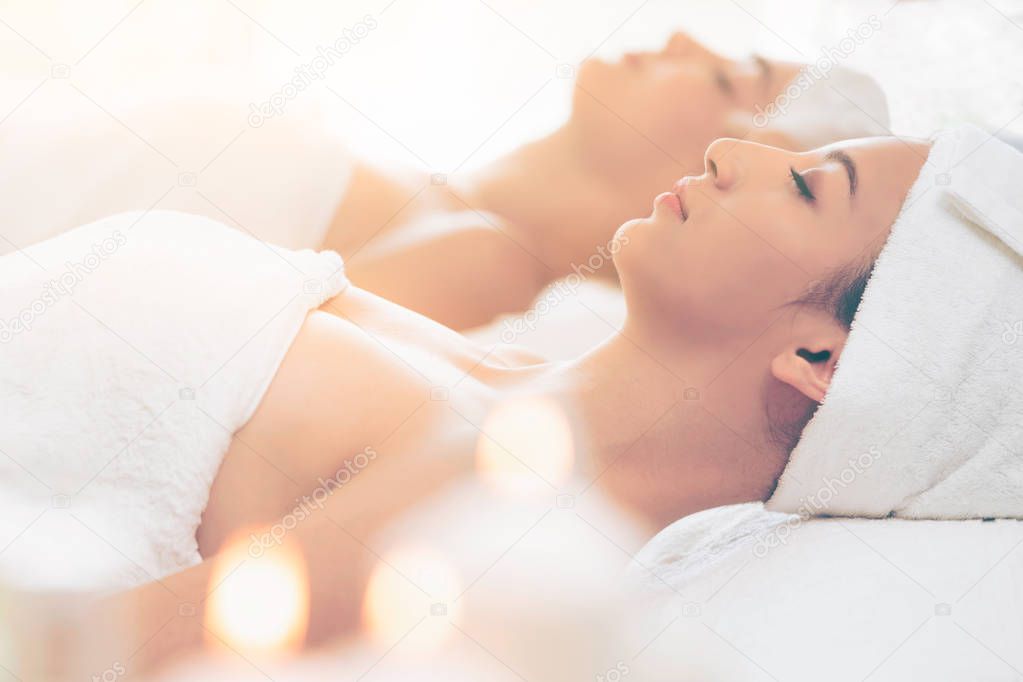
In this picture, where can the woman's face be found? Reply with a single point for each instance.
(678, 99)
(708, 274)
(723, 252)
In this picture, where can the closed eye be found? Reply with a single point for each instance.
(801, 186)
(723, 82)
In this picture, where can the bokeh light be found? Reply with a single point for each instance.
(412, 596)
(526, 446)
(258, 606)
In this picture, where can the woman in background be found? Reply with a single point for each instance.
(486, 242)
(490, 242)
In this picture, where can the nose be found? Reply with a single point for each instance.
(678, 44)
(723, 161)
(683, 45)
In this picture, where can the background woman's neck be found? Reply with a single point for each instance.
(551, 193)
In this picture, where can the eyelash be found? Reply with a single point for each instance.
(722, 82)
(801, 186)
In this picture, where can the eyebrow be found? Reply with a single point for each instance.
(766, 71)
(839, 156)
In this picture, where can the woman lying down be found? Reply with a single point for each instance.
(459, 250)
(167, 383)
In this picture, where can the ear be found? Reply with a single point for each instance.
(808, 366)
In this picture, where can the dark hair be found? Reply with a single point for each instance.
(839, 296)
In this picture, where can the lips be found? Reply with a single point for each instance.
(674, 202)
(680, 190)
(635, 60)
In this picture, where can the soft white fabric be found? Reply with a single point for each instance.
(131, 349)
(749, 594)
(566, 319)
(839, 104)
(924, 416)
(70, 163)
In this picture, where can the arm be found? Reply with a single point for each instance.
(163, 622)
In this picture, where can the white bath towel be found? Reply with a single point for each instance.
(924, 416)
(131, 349)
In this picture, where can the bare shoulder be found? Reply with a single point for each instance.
(459, 268)
(344, 360)
(376, 201)
(335, 392)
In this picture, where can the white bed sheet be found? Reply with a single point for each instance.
(838, 599)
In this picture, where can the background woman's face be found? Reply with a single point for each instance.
(679, 99)
(758, 227)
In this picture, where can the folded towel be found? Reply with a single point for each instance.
(924, 416)
(131, 349)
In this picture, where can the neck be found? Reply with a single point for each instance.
(552, 196)
(620, 388)
(665, 428)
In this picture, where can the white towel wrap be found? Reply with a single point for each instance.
(924, 417)
(121, 391)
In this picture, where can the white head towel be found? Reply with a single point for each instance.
(924, 417)
(817, 108)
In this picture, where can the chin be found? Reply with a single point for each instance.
(635, 237)
(655, 233)
(596, 76)
(589, 69)
(640, 244)
(624, 233)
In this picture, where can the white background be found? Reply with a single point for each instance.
(437, 79)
